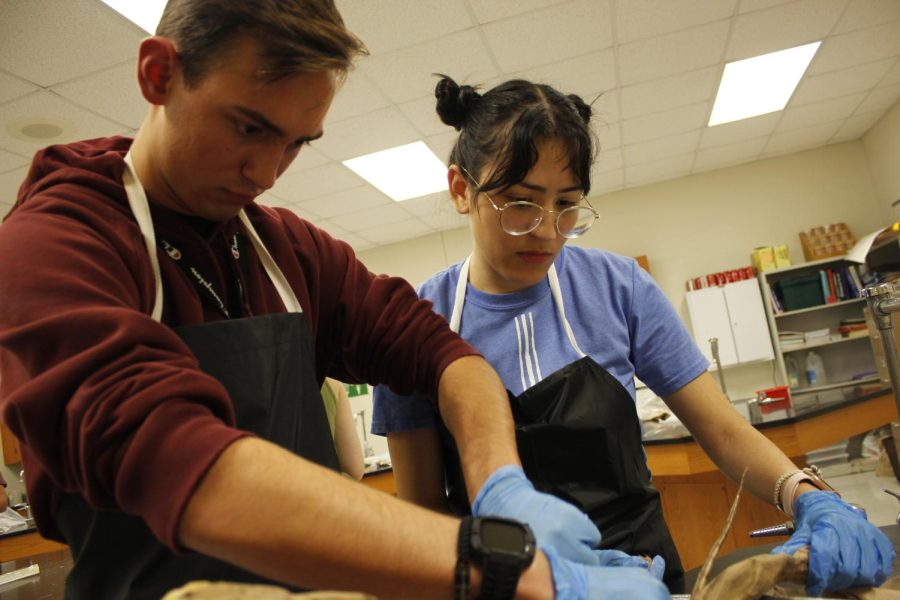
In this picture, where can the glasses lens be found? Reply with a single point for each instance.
(519, 218)
(574, 221)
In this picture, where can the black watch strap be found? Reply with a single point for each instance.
(499, 580)
(461, 575)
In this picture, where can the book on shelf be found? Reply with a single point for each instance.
(791, 338)
(816, 334)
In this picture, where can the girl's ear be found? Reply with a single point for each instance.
(157, 64)
(459, 190)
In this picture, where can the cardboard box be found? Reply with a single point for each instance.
(782, 256)
(763, 258)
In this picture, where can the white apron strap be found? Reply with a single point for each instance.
(137, 200)
(460, 299)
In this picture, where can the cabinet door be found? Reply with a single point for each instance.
(748, 321)
(709, 319)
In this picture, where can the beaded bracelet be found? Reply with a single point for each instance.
(779, 483)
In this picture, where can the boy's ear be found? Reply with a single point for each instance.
(459, 189)
(157, 65)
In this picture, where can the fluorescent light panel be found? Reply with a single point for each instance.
(759, 85)
(144, 13)
(403, 172)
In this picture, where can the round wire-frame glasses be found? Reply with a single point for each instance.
(521, 217)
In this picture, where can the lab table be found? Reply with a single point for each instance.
(696, 497)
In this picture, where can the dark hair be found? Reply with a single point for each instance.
(295, 35)
(503, 126)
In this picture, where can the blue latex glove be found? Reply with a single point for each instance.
(845, 550)
(617, 558)
(556, 523)
(508, 493)
(576, 581)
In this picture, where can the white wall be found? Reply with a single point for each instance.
(882, 147)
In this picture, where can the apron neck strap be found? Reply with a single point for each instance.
(137, 200)
(460, 299)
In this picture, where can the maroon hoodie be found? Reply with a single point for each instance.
(110, 404)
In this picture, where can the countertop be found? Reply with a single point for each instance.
(794, 416)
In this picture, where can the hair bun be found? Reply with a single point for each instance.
(583, 109)
(454, 102)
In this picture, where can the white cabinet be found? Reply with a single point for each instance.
(735, 314)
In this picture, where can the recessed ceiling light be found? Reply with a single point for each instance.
(759, 85)
(145, 14)
(403, 172)
(41, 129)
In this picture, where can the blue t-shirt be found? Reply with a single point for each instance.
(619, 316)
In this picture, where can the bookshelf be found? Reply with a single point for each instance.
(849, 360)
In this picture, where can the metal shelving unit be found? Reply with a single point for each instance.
(844, 357)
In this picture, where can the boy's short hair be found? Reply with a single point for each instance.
(294, 35)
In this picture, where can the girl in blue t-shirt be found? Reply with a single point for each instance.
(568, 329)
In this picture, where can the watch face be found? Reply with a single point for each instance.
(503, 537)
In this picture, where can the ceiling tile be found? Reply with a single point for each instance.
(367, 133)
(608, 181)
(672, 54)
(368, 218)
(833, 84)
(363, 198)
(390, 24)
(782, 27)
(76, 122)
(442, 221)
(587, 76)
(729, 154)
(324, 180)
(820, 112)
(880, 98)
(356, 97)
(657, 149)
(609, 133)
(861, 14)
(607, 160)
(669, 92)
(103, 93)
(306, 215)
(491, 10)
(94, 38)
(408, 73)
(640, 19)
(892, 76)
(754, 5)
(564, 31)
(268, 199)
(309, 158)
(737, 131)
(801, 139)
(12, 87)
(10, 161)
(659, 170)
(857, 126)
(648, 127)
(430, 205)
(396, 232)
(442, 143)
(423, 115)
(849, 49)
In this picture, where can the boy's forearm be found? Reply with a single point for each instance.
(475, 406)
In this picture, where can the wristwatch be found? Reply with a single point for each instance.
(503, 548)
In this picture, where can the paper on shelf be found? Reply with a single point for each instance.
(859, 251)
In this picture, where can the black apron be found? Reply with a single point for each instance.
(579, 438)
(266, 364)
